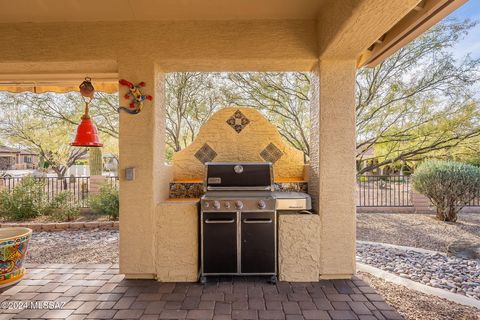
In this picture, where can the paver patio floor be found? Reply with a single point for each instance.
(100, 292)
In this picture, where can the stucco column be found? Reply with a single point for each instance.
(332, 174)
(142, 146)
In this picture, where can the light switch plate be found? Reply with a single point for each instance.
(130, 174)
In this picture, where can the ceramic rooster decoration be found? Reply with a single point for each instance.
(135, 95)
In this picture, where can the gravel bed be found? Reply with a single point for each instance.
(417, 230)
(456, 275)
(80, 246)
(414, 305)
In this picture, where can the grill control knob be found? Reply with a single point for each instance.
(227, 205)
(216, 204)
(206, 204)
(261, 204)
(239, 204)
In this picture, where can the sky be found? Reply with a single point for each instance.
(471, 43)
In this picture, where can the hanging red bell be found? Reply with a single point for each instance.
(87, 134)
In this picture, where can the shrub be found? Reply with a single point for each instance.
(27, 200)
(63, 207)
(449, 185)
(106, 202)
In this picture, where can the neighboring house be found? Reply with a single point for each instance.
(368, 158)
(110, 162)
(16, 159)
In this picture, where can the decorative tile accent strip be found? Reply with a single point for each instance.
(238, 121)
(271, 153)
(205, 153)
(179, 190)
(59, 226)
(186, 190)
(291, 186)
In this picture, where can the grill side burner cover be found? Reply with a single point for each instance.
(242, 175)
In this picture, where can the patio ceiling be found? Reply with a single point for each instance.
(155, 10)
(368, 30)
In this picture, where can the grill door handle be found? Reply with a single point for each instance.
(219, 220)
(257, 220)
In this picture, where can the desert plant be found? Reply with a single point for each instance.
(106, 201)
(27, 200)
(449, 185)
(63, 207)
(95, 161)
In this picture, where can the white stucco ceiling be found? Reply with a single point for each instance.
(125, 10)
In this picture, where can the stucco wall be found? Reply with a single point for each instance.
(176, 229)
(142, 146)
(175, 46)
(332, 165)
(246, 145)
(298, 247)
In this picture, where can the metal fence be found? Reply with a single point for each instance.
(475, 202)
(389, 191)
(383, 191)
(79, 187)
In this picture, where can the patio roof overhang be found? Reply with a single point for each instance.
(423, 16)
(327, 29)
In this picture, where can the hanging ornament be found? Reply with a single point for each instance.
(135, 95)
(87, 133)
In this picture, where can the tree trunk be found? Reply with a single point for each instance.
(447, 214)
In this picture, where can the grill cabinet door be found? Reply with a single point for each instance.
(258, 242)
(219, 242)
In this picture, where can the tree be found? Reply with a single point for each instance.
(46, 122)
(449, 185)
(281, 96)
(20, 126)
(419, 101)
(39, 122)
(191, 98)
(68, 107)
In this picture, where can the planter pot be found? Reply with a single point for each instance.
(13, 249)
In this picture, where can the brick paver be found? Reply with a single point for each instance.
(99, 292)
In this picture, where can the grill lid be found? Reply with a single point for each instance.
(238, 176)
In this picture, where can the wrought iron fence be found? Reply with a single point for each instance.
(113, 181)
(475, 202)
(79, 187)
(383, 191)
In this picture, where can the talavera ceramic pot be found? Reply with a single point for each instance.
(13, 249)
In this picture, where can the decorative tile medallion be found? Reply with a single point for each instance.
(205, 153)
(271, 153)
(238, 121)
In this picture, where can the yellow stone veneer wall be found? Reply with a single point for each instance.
(231, 146)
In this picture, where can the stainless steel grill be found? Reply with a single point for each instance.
(239, 224)
(239, 219)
